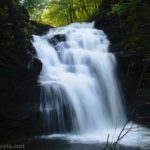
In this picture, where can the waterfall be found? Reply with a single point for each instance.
(80, 91)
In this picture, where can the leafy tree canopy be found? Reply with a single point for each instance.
(60, 12)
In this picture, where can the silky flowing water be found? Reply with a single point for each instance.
(81, 98)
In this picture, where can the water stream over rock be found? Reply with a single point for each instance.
(80, 91)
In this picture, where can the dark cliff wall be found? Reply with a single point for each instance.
(19, 92)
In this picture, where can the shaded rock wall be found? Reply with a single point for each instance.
(19, 92)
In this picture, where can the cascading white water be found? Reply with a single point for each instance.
(80, 90)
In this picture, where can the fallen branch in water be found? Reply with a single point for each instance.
(120, 136)
(107, 144)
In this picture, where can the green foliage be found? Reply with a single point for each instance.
(124, 6)
(60, 12)
(134, 18)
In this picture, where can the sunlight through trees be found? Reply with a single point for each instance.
(61, 12)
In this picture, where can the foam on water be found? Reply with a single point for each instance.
(133, 135)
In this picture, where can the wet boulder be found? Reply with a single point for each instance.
(57, 38)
